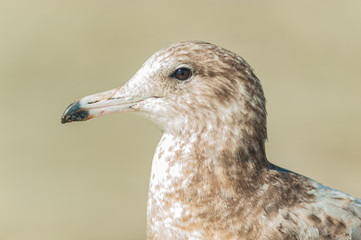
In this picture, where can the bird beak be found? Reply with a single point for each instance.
(100, 104)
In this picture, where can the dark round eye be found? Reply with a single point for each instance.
(182, 74)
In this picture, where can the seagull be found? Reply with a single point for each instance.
(210, 177)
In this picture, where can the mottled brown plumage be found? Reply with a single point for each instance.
(210, 177)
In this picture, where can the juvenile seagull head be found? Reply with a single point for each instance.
(187, 86)
(210, 177)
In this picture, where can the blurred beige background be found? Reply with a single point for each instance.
(89, 180)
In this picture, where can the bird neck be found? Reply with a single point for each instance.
(192, 167)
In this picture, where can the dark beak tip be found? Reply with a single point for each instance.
(74, 113)
(64, 119)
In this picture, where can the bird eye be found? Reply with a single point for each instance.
(182, 74)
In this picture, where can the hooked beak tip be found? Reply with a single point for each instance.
(74, 113)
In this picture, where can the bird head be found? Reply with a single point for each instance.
(186, 86)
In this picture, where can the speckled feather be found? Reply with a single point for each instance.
(210, 177)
